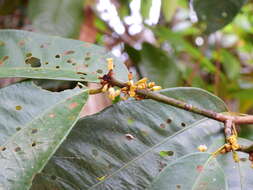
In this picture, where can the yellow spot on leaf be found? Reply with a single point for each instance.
(18, 108)
(101, 178)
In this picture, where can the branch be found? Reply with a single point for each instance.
(247, 149)
(247, 119)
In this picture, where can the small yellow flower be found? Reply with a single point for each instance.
(132, 91)
(117, 93)
(110, 65)
(111, 92)
(142, 86)
(202, 148)
(143, 80)
(130, 76)
(105, 88)
(155, 88)
(130, 83)
(236, 157)
(151, 84)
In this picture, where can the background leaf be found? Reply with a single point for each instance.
(216, 13)
(58, 17)
(145, 8)
(231, 64)
(158, 66)
(177, 41)
(31, 55)
(169, 8)
(120, 147)
(34, 122)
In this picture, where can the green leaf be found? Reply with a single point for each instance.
(58, 17)
(33, 123)
(217, 13)
(120, 147)
(32, 55)
(145, 8)
(169, 8)
(193, 171)
(231, 64)
(158, 66)
(181, 45)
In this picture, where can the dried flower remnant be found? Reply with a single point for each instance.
(202, 148)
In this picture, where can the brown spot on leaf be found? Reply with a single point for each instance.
(178, 186)
(168, 121)
(100, 71)
(68, 52)
(129, 136)
(51, 115)
(87, 58)
(200, 168)
(243, 159)
(81, 73)
(162, 125)
(4, 58)
(33, 61)
(44, 45)
(73, 105)
(57, 67)
(46, 63)
(34, 131)
(21, 43)
(53, 177)
(2, 43)
(3, 148)
(95, 152)
(33, 144)
(17, 149)
(29, 55)
(86, 45)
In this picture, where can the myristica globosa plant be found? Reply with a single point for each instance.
(149, 138)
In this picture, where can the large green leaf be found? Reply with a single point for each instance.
(32, 55)
(158, 66)
(57, 17)
(121, 147)
(217, 13)
(33, 123)
(193, 171)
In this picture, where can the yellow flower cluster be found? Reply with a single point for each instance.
(233, 142)
(130, 86)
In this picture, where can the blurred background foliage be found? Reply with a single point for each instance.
(199, 43)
